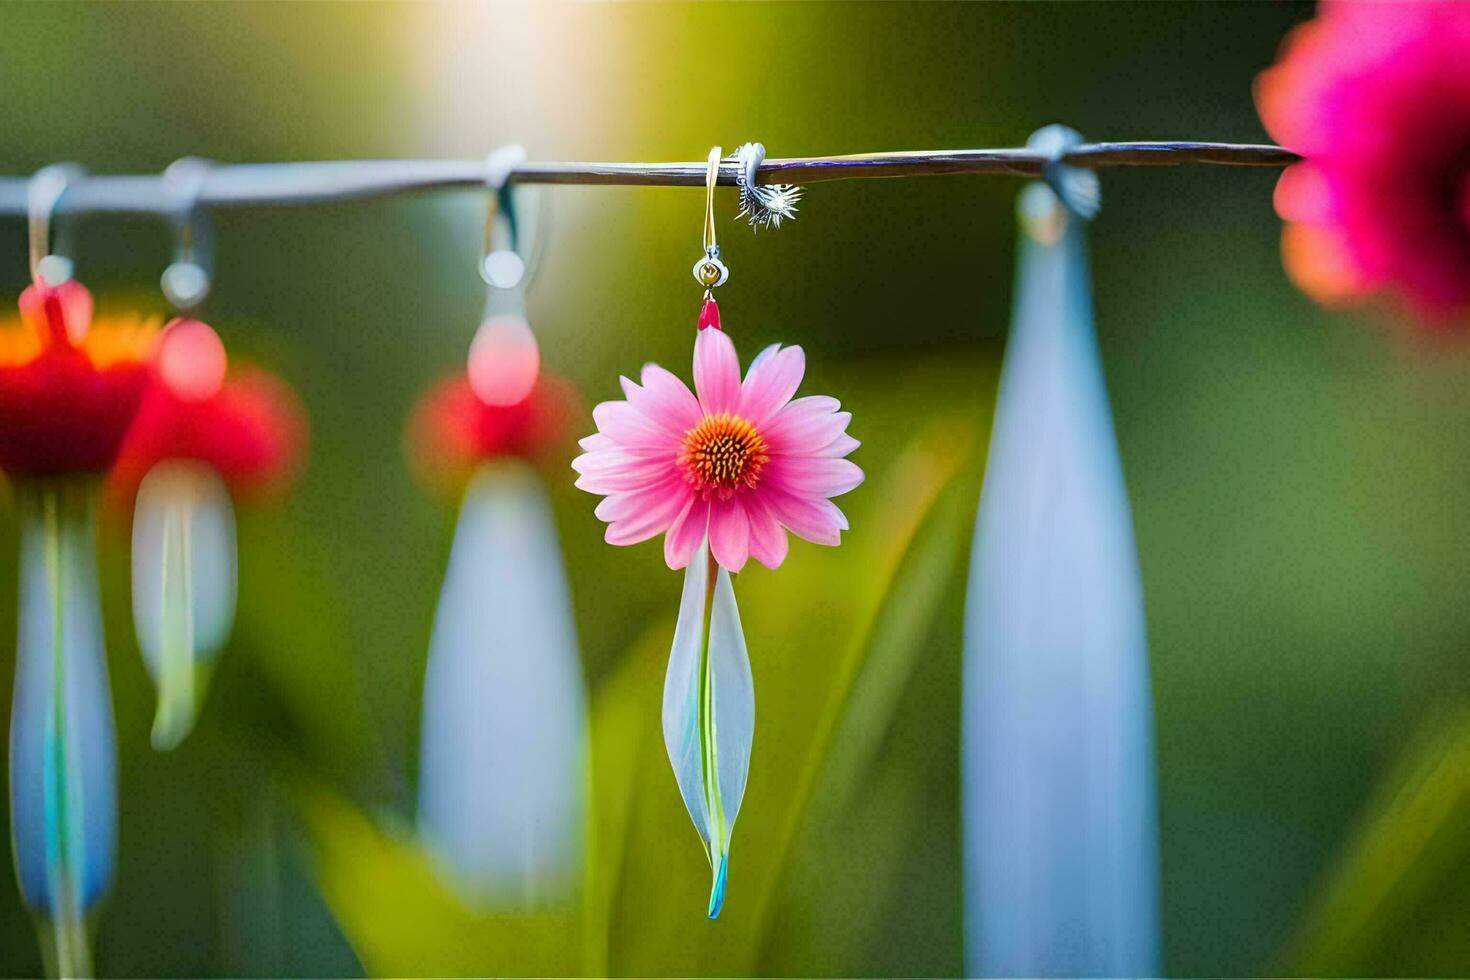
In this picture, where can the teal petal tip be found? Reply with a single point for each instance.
(717, 890)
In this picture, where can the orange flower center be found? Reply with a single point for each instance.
(722, 454)
(108, 343)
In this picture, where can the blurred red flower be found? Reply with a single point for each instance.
(1376, 97)
(69, 386)
(249, 427)
(452, 430)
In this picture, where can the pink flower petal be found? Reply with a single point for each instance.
(599, 460)
(636, 474)
(716, 372)
(651, 513)
(766, 352)
(767, 537)
(805, 426)
(812, 476)
(1303, 193)
(667, 404)
(770, 383)
(671, 398)
(687, 533)
(631, 428)
(633, 503)
(729, 533)
(840, 446)
(606, 460)
(816, 519)
(597, 441)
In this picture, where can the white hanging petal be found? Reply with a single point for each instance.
(184, 586)
(682, 692)
(1061, 833)
(709, 712)
(502, 780)
(63, 753)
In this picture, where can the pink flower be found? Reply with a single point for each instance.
(1376, 97)
(742, 463)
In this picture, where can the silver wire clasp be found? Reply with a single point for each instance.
(762, 205)
(502, 268)
(49, 266)
(709, 271)
(188, 278)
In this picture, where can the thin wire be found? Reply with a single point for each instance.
(318, 182)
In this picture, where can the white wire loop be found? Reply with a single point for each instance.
(503, 268)
(44, 191)
(187, 280)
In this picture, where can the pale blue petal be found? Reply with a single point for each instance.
(63, 755)
(709, 713)
(184, 586)
(1061, 834)
(733, 694)
(681, 693)
(502, 779)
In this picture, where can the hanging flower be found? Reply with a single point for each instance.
(69, 388)
(452, 430)
(502, 775)
(200, 442)
(740, 464)
(244, 423)
(725, 472)
(1376, 96)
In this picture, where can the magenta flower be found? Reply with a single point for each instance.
(1376, 97)
(741, 464)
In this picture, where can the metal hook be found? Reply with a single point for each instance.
(709, 271)
(187, 280)
(711, 178)
(503, 268)
(43, 195)
(763, 205)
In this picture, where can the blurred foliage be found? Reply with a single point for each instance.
(1298, 477)
(1397, 902)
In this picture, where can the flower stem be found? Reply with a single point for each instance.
(709, 751)
(69, 955)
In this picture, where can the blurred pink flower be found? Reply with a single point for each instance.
(1376, 97)
(742, 463)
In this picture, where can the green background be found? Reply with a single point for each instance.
(1297, 478)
